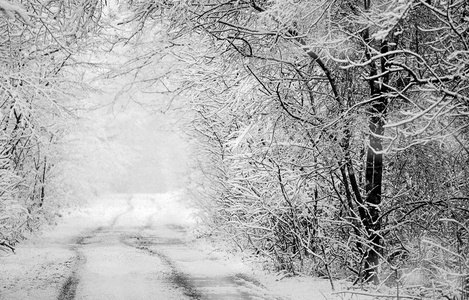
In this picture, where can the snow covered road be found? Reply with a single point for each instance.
(124, 247)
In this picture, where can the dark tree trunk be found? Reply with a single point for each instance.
(43, 183)
(373, 186)
(374, 168)
(374, 156)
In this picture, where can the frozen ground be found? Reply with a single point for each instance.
(137, 246)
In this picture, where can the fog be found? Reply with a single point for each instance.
(128, 141)
(160, 155)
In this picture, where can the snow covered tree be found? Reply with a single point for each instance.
(318, 92)
(38, 45)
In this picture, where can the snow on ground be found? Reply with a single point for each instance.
(293, 288)
(138, 246)
(43, 264)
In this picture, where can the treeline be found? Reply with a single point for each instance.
(333, 134)
(39, 45)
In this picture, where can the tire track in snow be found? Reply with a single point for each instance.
(178, 278)
(69, 288)
(236, 286)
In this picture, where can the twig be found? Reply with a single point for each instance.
(377, 295)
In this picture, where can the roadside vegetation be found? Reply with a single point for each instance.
(53, 149)
(330, 137)
(39, 97)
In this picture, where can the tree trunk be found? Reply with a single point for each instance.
(374, 169)
(374, 156)
(373, 177)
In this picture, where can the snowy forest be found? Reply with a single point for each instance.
(329, 138)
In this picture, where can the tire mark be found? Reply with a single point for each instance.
(69, 288)
(178, 278)
(191, 285)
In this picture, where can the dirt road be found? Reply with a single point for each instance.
(125, 247)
